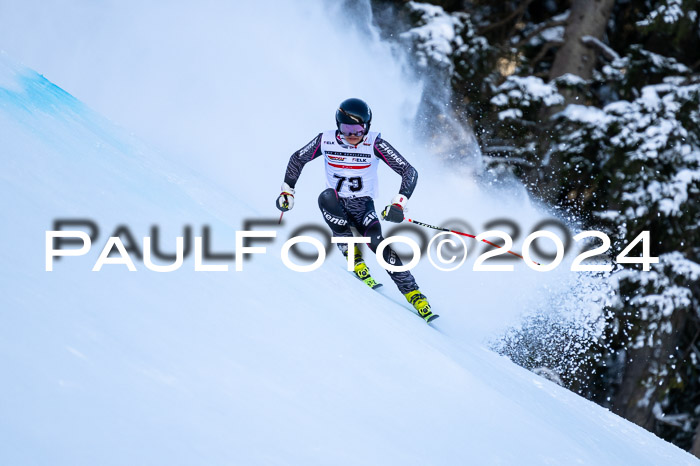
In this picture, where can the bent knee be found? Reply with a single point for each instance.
(333, 211)
(329, 199)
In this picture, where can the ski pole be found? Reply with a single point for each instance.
(464, 234)
(280, 218)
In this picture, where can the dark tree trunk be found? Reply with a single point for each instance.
(695, 449)
(626, 402)
(587, 18)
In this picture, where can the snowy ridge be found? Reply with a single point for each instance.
(265, 366)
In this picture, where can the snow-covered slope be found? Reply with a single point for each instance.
(263, 366)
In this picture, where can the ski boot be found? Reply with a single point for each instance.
(420, 303)
(361, 270)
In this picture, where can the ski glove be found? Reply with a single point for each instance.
(394, 211)
(286, 200)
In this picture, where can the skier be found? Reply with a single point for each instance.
(352, 153)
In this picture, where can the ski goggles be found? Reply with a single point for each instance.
(352, 130)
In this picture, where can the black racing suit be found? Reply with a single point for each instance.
(340, 213)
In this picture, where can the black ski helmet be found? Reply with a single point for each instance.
(354, 112)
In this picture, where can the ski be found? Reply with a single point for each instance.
(430, 318)
(372, 283)
(369, 281)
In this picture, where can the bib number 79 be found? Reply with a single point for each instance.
(354, 183)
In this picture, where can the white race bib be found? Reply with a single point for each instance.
(351, 171)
